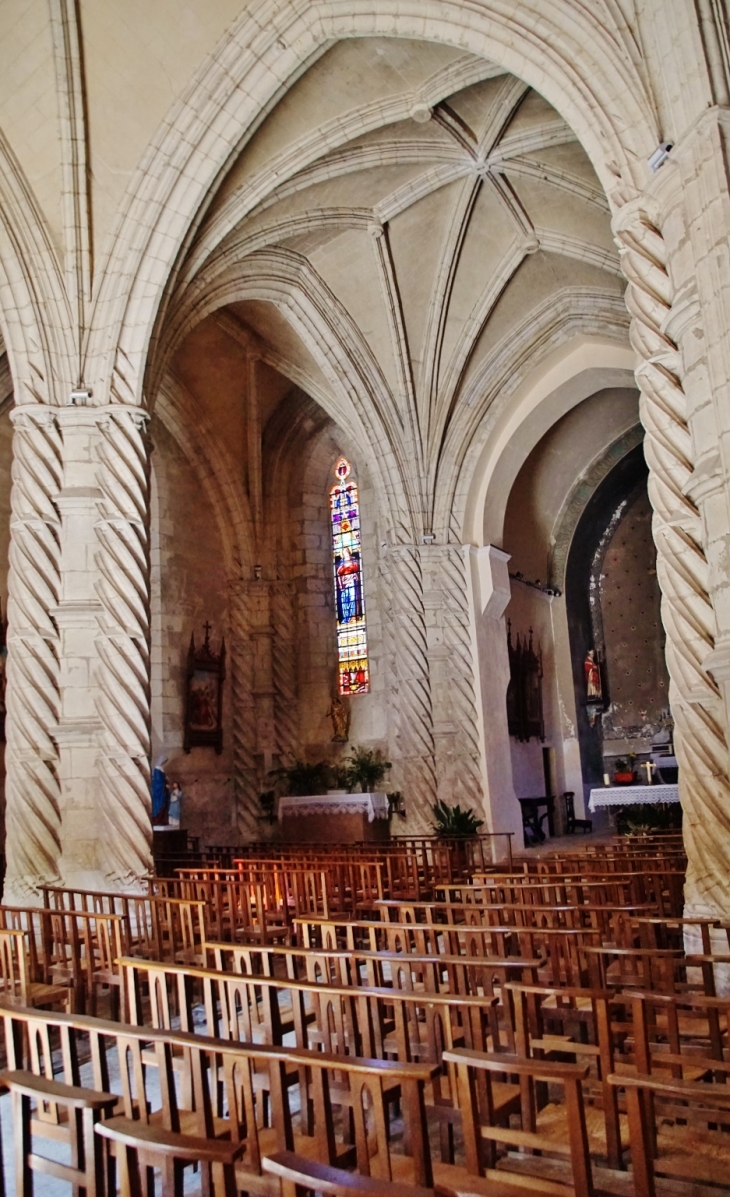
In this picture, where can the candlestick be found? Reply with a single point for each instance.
(606, 779)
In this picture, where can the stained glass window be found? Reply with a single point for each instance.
(352, 639)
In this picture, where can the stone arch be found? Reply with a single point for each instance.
(35, 315)
(580, 495)
(359, 397)
(569, 374)
(572, 314)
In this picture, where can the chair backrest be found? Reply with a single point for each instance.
(543, 1019)
(13, 972)
(222, 1077)
(354, 1021)
(569, 803)
(481, 1134)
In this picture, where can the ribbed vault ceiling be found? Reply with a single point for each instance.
(444, 210)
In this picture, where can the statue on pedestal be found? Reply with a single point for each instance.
(592, 670)
(340, 716)
(174, 810)
(159, 791)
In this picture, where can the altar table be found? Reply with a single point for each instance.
(631, 795)
(335, 818)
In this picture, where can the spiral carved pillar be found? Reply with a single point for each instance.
(415, 737)
(687, 612)
(452, 659)
(458, 746)
(246, 778)
(283, 666)
(122, 643)
(32, 784)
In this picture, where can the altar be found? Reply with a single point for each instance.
(335, 818)
(632, 795)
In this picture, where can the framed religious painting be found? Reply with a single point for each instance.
(206, 671)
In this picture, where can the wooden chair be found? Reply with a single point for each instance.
(476, 1074)
(687, 1155)
(570, 820)
(566, 1022)
(58, 1111)
(138, 1145)
(299, 1174)
(15, 985)
(164, 1123)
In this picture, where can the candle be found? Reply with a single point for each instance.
(606, 779)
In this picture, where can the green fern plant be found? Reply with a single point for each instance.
(451, 822)
(367, 768)
(301, 778)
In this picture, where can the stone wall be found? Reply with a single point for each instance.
(188, 587)
(629, 597)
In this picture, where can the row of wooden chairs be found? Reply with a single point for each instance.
(508, 1003)
(241, 1105)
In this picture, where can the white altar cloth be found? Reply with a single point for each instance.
(631, 795)
(375, 806)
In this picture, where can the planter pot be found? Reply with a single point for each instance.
(624, 779)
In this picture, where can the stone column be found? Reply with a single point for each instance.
(32, 786)
(284, 672)
(103, 614)
(682, 567)
(78, 664)
(412, 708)
(245, 773)
(454, 670)
(491, 587)
(258, 594)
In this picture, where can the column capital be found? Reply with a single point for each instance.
(25, 414)
(92, 417)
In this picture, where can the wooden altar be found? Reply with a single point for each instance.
(335, 818)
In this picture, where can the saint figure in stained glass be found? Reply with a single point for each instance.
(352, 649)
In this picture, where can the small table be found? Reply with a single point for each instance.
(532, 820)
(631, 795)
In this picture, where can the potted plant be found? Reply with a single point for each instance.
(340, 781)
(367, 768)
(301, 778)
(451, 822)
(624, 773)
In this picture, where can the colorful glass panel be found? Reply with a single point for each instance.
(352, 640)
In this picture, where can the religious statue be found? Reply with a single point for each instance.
(159, 790)
(174, 810)
(592, 670)
(340, 716)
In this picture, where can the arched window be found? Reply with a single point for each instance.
(352, 639)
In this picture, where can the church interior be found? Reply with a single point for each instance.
(364, 570)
